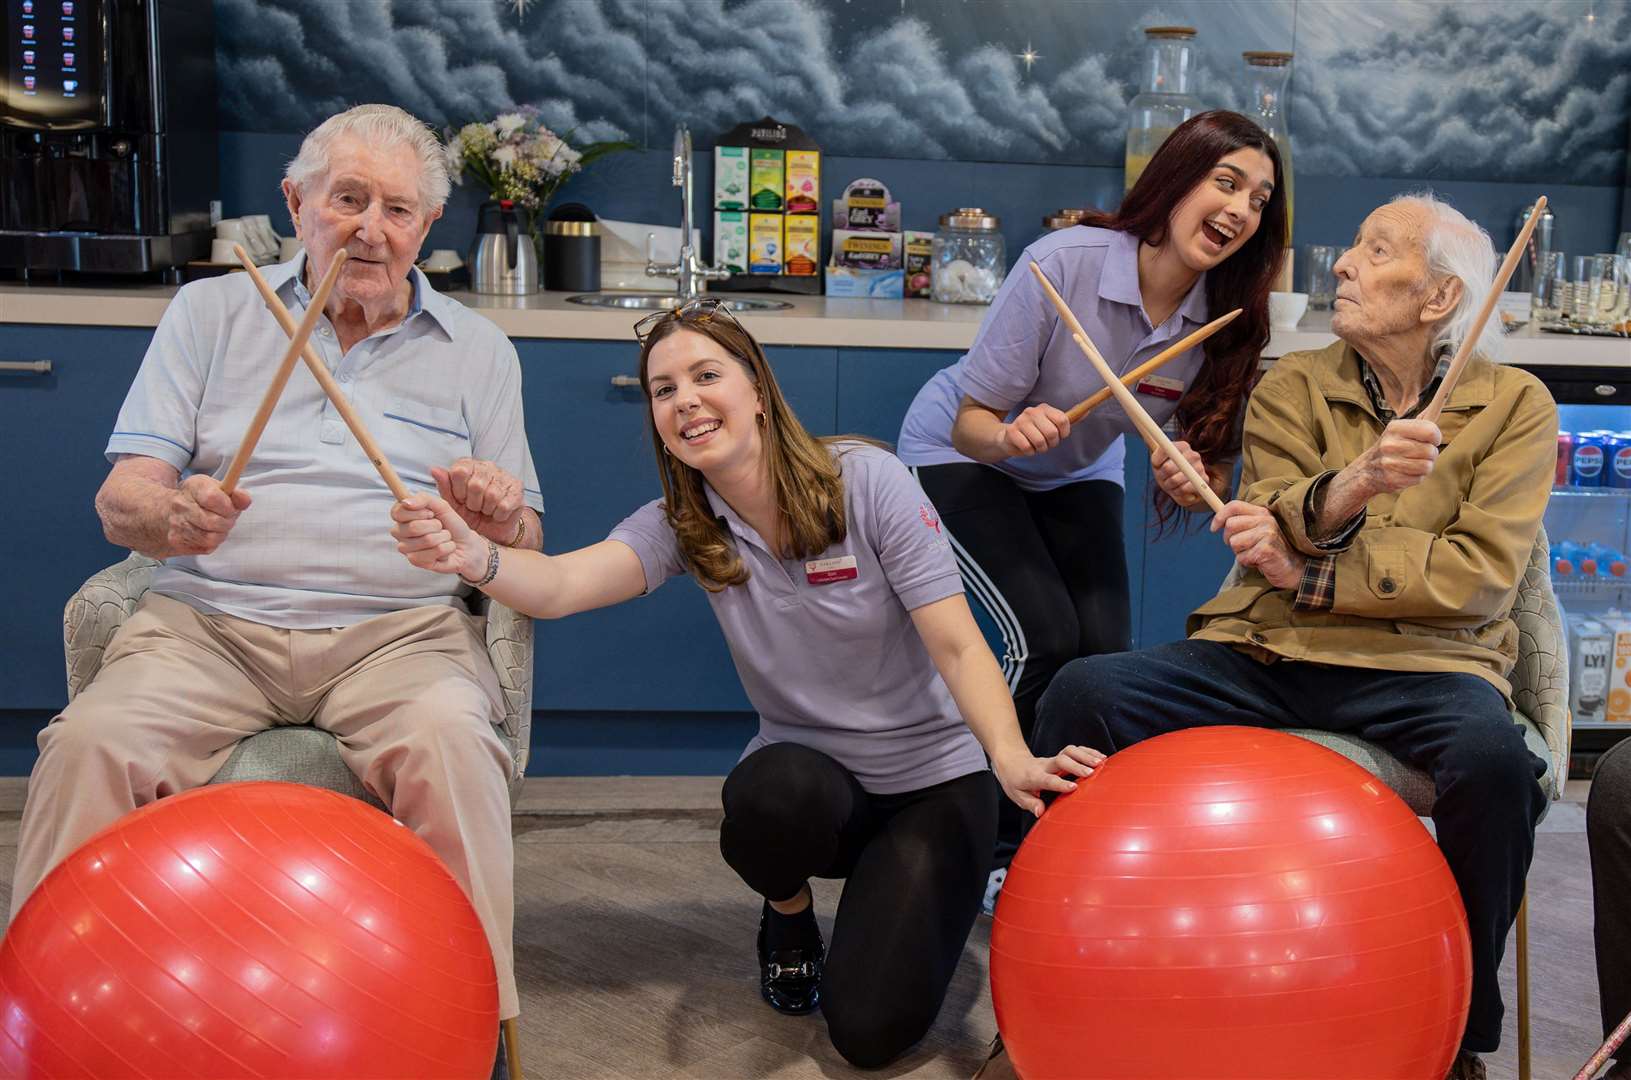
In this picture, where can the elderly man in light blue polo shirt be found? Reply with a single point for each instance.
(286, 602)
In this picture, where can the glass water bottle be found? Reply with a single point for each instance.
(1268, 76)
(1166, 99)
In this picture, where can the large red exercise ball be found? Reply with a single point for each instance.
(249, 930)
(1234, 904)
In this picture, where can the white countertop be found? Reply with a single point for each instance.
(812, 320)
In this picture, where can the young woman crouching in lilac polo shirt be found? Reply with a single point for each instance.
(879, 701)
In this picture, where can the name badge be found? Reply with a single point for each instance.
(1162, 387)
(827, 571)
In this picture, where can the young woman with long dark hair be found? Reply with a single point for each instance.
(878, 700)
(1032, 502)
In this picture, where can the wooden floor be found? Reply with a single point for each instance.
(634, 947)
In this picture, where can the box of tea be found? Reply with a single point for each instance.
(801, 244)
(919, 252)
(804, 182)
(730, 178)
(731, 240)
(766, 181)
(764, 243)
(874, 249)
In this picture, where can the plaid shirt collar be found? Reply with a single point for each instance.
(1378, 400)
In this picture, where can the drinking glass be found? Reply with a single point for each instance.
(1550, 297)
(1321, 283)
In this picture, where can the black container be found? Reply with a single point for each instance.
(572, 250)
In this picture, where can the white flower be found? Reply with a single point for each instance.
(504, 156)
(508, 124)
(455, 158)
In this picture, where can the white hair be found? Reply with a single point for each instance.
(383, 126)
(1459, 247)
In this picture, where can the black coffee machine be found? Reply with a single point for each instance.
(107, 134)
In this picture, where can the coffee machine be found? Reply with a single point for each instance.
(107, 134)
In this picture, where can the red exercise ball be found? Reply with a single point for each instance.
(1230, 903)
(249, 930)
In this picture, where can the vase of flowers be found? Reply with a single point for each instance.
(520, 161)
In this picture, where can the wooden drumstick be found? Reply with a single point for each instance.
(1147, 427)
(1464, 352)
(280, 378)
(320, 372)
(1160, 360)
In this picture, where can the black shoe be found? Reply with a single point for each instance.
(790, 979)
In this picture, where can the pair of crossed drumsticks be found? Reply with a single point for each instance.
(1156, 439)
(300, 348)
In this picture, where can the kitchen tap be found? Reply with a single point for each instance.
(690, 272)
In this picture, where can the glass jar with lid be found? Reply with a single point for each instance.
(1166, 97)
(1268, 74)
(969, 258)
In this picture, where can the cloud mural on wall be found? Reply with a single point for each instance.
(1523, 90)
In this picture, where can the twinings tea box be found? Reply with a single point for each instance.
(803, 182)
(802, 243)
(871, 249)
(866, 205)
(730, 178)
(919, 250)
(731, 240)
(766, 179)
(764, 243)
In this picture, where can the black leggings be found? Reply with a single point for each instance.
(1608, 831)
(916, 865)
(1049, 567)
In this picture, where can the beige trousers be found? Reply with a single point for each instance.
(411, 697)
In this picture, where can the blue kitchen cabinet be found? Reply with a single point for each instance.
(53, 428)
(659, 653)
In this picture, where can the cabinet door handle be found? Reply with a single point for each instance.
(1604, 390)
(27, 367)
(625, 380)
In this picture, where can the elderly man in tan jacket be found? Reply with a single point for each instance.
(1382, 553)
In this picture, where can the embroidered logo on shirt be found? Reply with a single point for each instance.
(926, 512)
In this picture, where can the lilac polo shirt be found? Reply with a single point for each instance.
(838, 666)
(1023, 355)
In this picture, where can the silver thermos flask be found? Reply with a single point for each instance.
(1540, 242)
(502, 259)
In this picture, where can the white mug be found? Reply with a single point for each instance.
(443, 260)
(230, 229)
(221, 252)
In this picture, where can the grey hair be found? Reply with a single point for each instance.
(379, 125)
(1459, 247)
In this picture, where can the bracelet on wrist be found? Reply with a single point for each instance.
(520, 529)
(492, 567)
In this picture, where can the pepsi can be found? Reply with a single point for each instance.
(1589, 451)
(1617, 461)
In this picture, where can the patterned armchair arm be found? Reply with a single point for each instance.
(1540, 680)
(509, 643)
(94, 614)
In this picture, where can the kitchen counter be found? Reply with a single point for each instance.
(812, 320)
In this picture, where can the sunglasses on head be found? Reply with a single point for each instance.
(697, 311)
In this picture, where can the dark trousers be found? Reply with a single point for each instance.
(916, 864)
(1050, 569)
(1455, 727)
(1608, 831)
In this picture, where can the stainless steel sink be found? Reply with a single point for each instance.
(656, 301)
